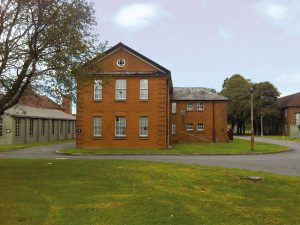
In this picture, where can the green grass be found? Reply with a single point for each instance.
(20, 146)
(280, 137)
(236, 147)
(101, 192)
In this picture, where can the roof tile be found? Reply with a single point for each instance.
(290, 101)
(43, 113)
(195, 93)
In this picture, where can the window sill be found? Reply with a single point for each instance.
(120, 138)
(191, 110)
(144, 138)
(120, 100)
(97, 100)
(97, 138)
(200, 110)
(200, 131)
(144, 100)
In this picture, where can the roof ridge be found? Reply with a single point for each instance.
(120, 44)
(197, 93)
(38, 112)
(297, 93)
(292, 100)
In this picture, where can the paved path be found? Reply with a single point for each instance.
(281, 163)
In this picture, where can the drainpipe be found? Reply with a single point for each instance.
(214, 132)
(168, 115)
(168, 110)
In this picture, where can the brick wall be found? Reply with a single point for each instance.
(214, 118)
(155, 108)
(289, 119)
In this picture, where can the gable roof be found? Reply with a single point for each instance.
(42, 113)
(195, 93)
(290, 101)
(38, 101)
(135, 53)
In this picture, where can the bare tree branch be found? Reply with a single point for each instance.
(43, 41)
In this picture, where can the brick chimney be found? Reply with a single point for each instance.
(67, 104)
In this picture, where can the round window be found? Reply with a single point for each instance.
(121, 62)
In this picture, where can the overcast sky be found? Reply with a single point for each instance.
(204, 41)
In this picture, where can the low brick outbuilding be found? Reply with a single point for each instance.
(290, 121)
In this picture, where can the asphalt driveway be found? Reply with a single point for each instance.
(282, 163)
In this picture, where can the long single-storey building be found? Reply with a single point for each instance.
(37, 119)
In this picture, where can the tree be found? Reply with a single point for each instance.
(212, 90)
(236, 88)
(41, 42)
(265, 101)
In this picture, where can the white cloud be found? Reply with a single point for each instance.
(276, 11)
(225, 34)
(287, 83)
(285, 14)
(137, 15)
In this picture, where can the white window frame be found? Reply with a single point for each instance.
(285, 113)
(189, 127)
(174, 107)
(120, 89)
(97, 126)
(144, 126)
(200, 106)
(200, 126)
(17, 127)
(120, 126)
(173, 128)
(121, 62)
(297, 118)
(98, 90)
(144, 93)
(189, 106)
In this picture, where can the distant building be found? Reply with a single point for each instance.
(37, 119)
(290, 107)
(131, 102)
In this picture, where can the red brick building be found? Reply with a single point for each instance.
(290, 107)
(198, 115)
(129, 104)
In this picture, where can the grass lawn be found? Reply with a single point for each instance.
(20, 146)
(106, 192)
(280, 137)
(238, 146)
